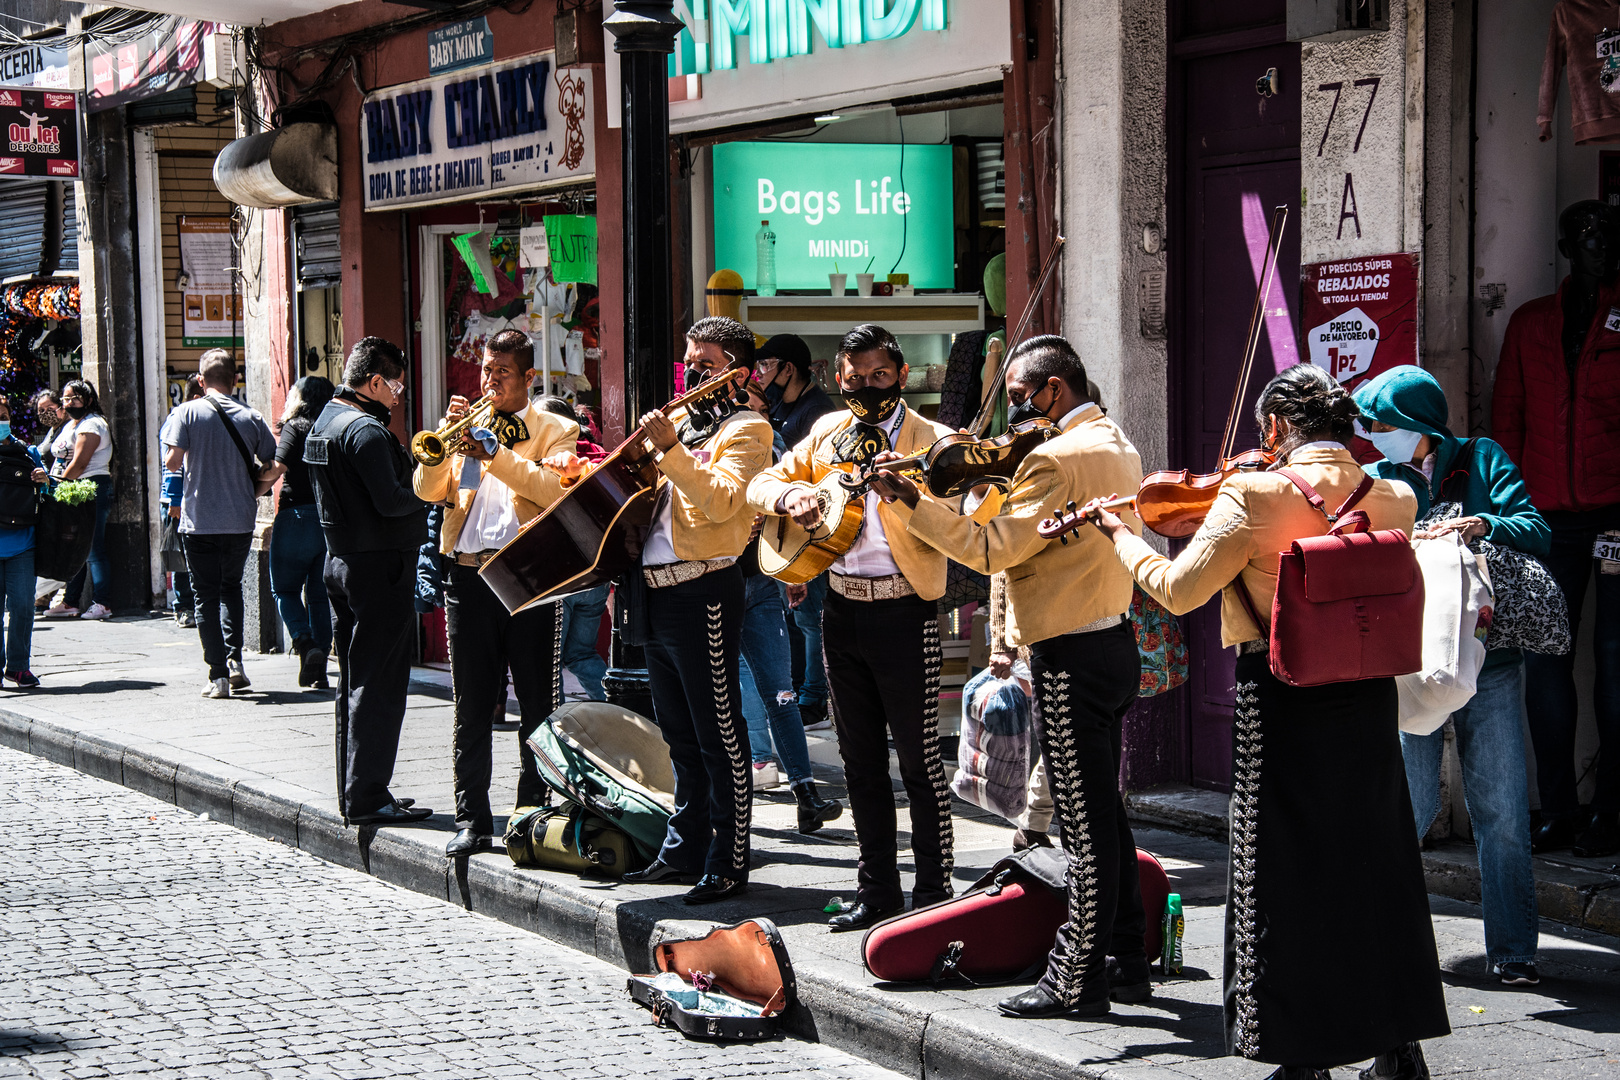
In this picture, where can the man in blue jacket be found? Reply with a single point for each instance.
(1404, 411)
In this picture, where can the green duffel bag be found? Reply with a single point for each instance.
(565, 837)
(612, 762)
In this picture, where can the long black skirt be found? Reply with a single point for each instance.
(1330, 954)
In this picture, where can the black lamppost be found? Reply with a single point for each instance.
(644, 34)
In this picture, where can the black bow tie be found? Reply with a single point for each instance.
(508, 428)
(859, 444)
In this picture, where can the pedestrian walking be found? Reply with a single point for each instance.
(222, 447)
(374, 524)
(297, 545)
(172, 495)
(1472, 488)
(83, 450)
(1317, 769)
(21, 476)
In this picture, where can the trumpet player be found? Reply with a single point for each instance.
(489, 477)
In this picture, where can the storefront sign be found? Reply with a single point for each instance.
(836, 208)
(783, 28)
(571, 239)
(41, 130)
(166, 59)
(460, 45)
(36, 65)
(211, 312)
(1361, 315)
(506, 127)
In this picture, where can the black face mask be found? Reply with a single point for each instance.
(872, 404)
(774, 393)
(371, 406)
(695, 375)
(77, 412)
(1027, 410)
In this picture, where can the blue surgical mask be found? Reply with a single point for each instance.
(5, 430)
(1398, 445)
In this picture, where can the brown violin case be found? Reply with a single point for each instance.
(734, 983)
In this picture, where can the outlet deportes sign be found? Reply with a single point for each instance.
(836, 208)
(41, 129)
(1361, 315)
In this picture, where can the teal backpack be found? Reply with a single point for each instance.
(614, 764)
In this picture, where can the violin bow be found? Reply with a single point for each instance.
(987, 406)
(1279, 219)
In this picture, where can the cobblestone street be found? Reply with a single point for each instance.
(141, 939)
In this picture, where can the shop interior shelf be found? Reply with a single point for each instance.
(929, 313)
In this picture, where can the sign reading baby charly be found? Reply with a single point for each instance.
(519, 125)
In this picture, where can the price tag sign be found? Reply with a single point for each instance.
(1607, 547)
(1608, 51)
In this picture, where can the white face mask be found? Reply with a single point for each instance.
(1398, 445)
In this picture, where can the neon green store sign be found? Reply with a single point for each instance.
(777, 29)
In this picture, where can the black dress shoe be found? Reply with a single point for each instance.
(468, 842)
(1036, 1004)
(661, 873)
(1298, 1072)
(860, 917)
(712, 887)
(1405, 1062)
(1553, 834)
(392, 814)
(814, 811)
(1129, 980)
(1024, 839)
(1599, 839)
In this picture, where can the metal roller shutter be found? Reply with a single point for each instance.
(315, 238)
(22, 227)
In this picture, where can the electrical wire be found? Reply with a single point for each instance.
(905, 219)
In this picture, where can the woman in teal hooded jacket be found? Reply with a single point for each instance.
(1404, 412)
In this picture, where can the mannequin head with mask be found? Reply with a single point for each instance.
(712, 344)
(374, 377)
(1045, 379)
(1589, 237)
(872, 373)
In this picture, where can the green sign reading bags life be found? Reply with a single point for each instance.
(849, 208)
(571, 239)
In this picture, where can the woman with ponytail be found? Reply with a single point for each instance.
(1327, 962)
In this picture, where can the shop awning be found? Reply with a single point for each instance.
(286, 166)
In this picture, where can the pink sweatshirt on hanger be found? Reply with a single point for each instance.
(1572, 42)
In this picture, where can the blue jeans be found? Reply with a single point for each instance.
(807, 617)
(581, 623)
(18, 574)
(1490, 742)
(297, 575)
(98, 566)
(770, 665)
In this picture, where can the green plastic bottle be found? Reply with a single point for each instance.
(1175, 925)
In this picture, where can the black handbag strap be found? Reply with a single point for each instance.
(236, 437)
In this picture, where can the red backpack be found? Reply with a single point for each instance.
(1349, 604)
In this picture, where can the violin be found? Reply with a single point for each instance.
(1174, 503)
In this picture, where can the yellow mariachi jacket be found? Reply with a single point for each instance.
(1256, 516)
(1052, 588)
(517, 466)
(708, 503)
(812, 460)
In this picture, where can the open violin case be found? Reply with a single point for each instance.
(733, 983)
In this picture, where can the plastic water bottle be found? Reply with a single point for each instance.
(765, 271)
(1175, 925)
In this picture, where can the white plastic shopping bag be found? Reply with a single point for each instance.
(1457, 605)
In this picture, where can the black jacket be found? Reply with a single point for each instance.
(362, 481)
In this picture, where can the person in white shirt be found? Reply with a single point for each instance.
(491, 486)
(83, 451)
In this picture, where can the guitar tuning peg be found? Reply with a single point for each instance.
(1064, 539)
(1071, 506)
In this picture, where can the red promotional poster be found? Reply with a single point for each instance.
(1360, 315)
(41, 130)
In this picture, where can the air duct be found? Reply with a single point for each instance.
(286, 166)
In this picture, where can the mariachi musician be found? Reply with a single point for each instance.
(492, 486)
(1068, 603)
(880, 629)
(694, 611)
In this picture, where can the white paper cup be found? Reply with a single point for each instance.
(837, 284)
(863, 284)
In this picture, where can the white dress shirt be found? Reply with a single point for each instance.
(870, 556)
(492, 520)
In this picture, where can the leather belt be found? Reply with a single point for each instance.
(475, 558)
(1107, 622)
(891, 587)
(678, 573)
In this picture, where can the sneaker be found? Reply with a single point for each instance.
(217, 688)
(185, 619)
(815, 717)
(61, 611)
(97, 611)
(25, 680)
(765, 776)
(238, 677)
(1516, 974)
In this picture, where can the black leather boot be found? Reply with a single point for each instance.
(814, 811)
(1405, 1062)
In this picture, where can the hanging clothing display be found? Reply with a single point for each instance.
(1585, 39)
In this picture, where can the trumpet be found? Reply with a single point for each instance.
(432, 447)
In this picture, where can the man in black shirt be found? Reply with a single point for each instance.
(374, 524)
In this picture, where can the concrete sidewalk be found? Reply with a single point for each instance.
(121, 700)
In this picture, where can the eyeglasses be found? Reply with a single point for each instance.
(397, 388)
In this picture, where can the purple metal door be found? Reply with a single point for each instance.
(1238, 158)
